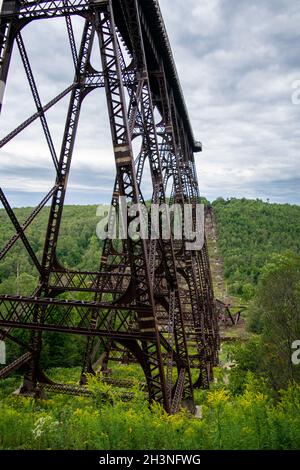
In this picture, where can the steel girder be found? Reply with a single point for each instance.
(152, 298)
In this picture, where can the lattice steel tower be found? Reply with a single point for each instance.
(153, 299)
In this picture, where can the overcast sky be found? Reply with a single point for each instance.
(237, 61)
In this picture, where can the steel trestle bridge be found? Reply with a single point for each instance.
(152, 300)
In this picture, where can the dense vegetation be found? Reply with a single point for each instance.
(254, 402)
(274, 320)
(78, 246)
(249, 233)
(251, 420)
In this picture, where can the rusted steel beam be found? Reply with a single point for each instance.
(152, 299)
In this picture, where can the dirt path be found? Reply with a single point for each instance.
(227, 330)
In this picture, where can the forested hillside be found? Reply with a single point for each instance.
(254, 402)
(78, 245)
(250, 232)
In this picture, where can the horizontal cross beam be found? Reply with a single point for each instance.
(48, 9)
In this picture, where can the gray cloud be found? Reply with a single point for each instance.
(237, 62)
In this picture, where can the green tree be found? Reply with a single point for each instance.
(275, 313)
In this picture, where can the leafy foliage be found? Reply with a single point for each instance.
(275, 314)
(78, 247)
(249, 233)
(254, 405)
(251, 420)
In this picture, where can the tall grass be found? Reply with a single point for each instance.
(252, 420)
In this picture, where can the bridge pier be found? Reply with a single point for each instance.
(151, 297)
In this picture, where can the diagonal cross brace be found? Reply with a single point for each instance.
(36, 98)
(35, 116)
(26, 224)
(19, 230)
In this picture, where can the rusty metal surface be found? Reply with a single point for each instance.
(153, 301)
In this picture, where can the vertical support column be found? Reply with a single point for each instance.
(128, 187)
(213, 337)
(168, 255)
(177, 145)
(7, 35)
(34, 372)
